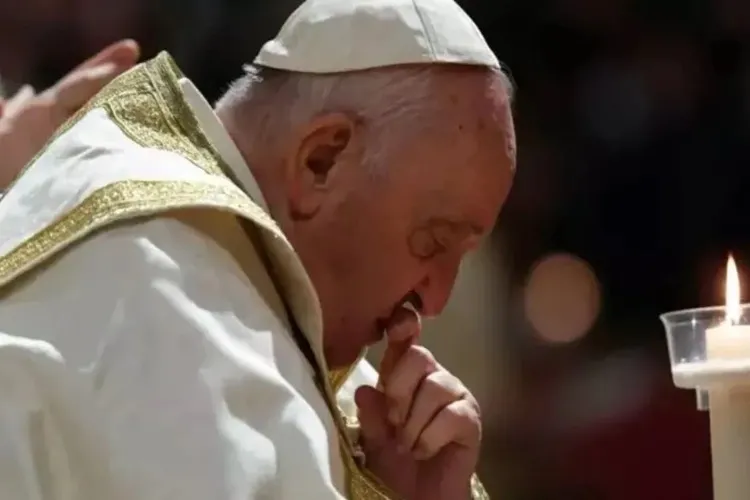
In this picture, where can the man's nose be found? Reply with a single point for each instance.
(435, 289)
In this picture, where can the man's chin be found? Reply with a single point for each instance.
(338, 359)
(352, 348)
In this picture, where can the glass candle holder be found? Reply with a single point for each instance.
(706, 349)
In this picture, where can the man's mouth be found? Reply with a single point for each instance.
(395, 319)
(381, 325)
(412, 302)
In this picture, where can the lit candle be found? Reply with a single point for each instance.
(730, 403)
(730, 341)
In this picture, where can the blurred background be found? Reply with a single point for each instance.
(632, 119)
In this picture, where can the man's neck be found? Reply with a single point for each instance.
(263, 168)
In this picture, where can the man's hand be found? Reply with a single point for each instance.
(27, 120)
(420, 429)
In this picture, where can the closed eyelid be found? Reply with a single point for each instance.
(438, 235)
(423, 244)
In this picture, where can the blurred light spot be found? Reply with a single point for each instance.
(561, 298)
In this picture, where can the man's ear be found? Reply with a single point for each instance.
(314, 164)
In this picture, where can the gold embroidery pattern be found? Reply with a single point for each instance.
(477, 489)
(337, 377)
(159, 119)
(363, 485)
(116, 202)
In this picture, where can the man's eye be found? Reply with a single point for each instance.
(425, 246)
(436, 248)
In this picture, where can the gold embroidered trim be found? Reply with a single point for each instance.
(337, 377)
(363, 485)
(148, 107)
(116, 202)
(477, 489)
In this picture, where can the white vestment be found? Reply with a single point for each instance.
(150, 319)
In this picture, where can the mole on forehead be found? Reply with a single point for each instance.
(480, 125)
(472, 114)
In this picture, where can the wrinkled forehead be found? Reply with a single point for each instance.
(484, 132)
(468, 188)
(481, 153)
(463, 165)
(482, 113)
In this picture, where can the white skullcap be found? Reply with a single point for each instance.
(333, 36)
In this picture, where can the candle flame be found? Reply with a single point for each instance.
(734, 312)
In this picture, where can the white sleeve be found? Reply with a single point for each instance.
(143, 364)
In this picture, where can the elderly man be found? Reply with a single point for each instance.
(187, 294)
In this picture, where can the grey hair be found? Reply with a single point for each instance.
(395, 103)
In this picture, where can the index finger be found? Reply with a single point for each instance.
(403, 330)
(75, 89)
(123, 52)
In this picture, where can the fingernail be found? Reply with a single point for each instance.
(130, 43)
(101, 71)
(413, 308)
(133, 50)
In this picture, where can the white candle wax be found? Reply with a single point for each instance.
(730, 415)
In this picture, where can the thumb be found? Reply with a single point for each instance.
(373, 417)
